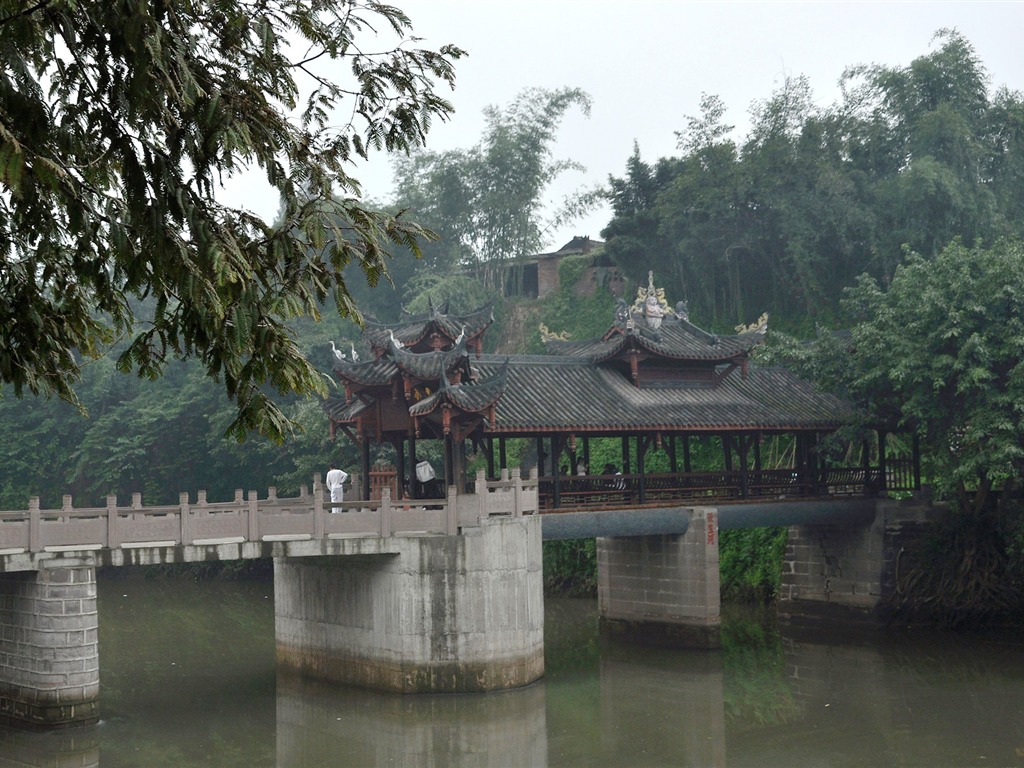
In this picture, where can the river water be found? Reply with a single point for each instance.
(188, 679)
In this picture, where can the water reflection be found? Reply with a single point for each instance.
(79, 748)
(324, 725)
(188, 678)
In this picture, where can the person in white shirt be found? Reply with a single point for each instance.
(335, 483)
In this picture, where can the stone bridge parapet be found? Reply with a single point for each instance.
(245, 527)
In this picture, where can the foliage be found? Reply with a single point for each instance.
(570, 567)
(582, 317)
(157, 438)
(969, 570)
(118, 123)
(460, 290)
(785, 219)
(943, 348)
(750, 563)
(485, 202)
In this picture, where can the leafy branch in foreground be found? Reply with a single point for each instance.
(119, 123)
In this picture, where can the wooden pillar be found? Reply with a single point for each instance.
(744, 446)
(757, 452)
(586, 453)
(883, 469)
(413, 480)
(447, 458)
(812, 462)
(727, 451)
(540, 456)
(865, 464)
(642, 444)
(915, 447)
(364, 467)
(672, 458)
(556, 486)
(489, 447)
(502, 461)
(400, 469)
(687, 465)
(625, 455)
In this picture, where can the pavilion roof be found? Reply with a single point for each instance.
(570, 394)
(676, 339)
(543, 393)
(653, 370)
(476, 397)
(418, 331)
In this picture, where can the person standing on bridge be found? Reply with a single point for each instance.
(335, 481)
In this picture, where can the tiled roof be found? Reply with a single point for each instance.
(416, 330)
(677, 339)
(541, 393)
(429, 366)
(545, 393)
(337, 409)
(586, 386)
(374, 373)
(469, 398)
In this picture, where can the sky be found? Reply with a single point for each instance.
(645, 64)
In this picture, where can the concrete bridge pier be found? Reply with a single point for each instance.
(447, 614)
(845, 574)
(49, 667)
(663, 588)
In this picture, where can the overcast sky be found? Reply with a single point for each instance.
(645, 64)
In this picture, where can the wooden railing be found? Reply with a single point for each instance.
(248, 518)
(608, 491)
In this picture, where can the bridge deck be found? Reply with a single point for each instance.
(573, 507)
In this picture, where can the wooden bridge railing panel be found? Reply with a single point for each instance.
(607, 491)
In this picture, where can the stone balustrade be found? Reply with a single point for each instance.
(248, 518)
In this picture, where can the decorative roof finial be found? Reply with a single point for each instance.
(547, 334)
(651, 304)
(759, 326)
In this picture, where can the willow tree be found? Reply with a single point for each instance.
(118, 122)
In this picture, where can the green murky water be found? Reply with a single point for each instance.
(188, 679)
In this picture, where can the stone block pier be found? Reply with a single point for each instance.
(440, 595)
(436, 595)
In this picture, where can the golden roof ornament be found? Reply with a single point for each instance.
(758, 326)
(547, 335)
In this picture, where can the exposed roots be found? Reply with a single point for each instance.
(963, 576)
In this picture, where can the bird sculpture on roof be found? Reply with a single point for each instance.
(355, 355)
(339, 356)
(462, 335)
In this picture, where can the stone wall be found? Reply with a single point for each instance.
(49, 665)
(663, 587)
(847, 573)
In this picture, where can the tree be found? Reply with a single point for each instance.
(486, 202)
(943, 348)
(118, 122)
(945, 343)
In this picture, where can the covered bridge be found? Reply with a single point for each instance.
(670, 393)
